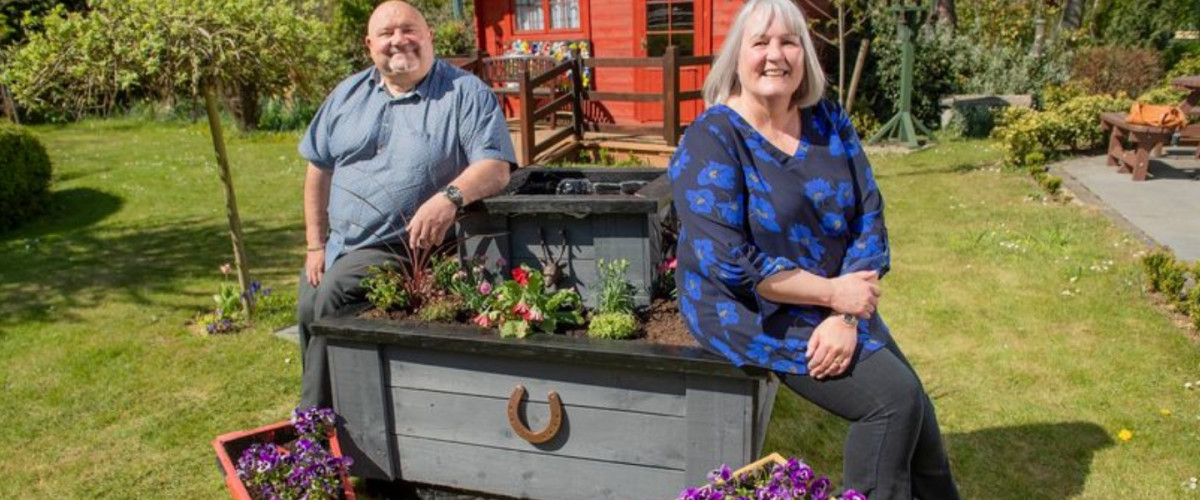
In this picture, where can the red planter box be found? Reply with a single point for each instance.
(229, 448)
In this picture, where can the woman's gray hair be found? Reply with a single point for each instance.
(722, 80)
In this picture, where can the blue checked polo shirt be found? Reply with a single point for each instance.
(391, 153)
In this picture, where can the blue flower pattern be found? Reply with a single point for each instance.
(748, 210)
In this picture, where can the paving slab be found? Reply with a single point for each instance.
(1165, 207)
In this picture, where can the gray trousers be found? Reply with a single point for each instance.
(894, 448)
(339, 288)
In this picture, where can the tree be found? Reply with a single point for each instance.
(83, 61)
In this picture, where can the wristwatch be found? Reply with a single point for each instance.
(454, 195)
(849, 319)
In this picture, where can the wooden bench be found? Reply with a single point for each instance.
(1145, 137)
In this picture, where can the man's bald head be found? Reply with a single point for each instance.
(400, 44)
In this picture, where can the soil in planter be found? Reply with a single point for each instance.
(661, 324)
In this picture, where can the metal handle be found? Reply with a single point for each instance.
(544, 435)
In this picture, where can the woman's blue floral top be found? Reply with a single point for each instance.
(748, 210)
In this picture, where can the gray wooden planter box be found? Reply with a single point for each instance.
(428, 404)
(515, 224)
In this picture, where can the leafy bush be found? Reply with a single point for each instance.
(1071, 125)
(385, 289)
(1165, 274)
(614, 303)
(24, 176)
(613, 326)
(280, 114)
(1112, 70)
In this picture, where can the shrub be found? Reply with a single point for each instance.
(1165, 274)
(1072, 125)
(1110, 70)
(24, 176)
(280, 115)
(613, 326)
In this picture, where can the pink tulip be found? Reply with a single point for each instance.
(483, 320)
(485, 288)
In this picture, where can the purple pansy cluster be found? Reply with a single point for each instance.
(304, 469)
(791, 480)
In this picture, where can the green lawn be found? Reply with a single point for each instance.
(1027, 321)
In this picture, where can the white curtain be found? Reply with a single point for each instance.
(564, 14)
(529, 15)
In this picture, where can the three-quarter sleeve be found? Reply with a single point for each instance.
(868, 248)
(716, 198)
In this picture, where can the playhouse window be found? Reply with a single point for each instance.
(670, 22)
(532, 14)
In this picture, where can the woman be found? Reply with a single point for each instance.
(781, 247)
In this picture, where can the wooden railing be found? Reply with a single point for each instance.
(562, 85)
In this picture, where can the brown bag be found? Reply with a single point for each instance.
(1156, 116)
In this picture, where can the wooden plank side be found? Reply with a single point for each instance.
(358, 380)
(720, 424)
(588, 433)
(625, 237)
(530, 475)
(529, 231)
(660, 393)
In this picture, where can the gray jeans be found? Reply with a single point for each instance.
(339, 288)
(894, 448)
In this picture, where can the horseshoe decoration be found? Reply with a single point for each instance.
(514, 419)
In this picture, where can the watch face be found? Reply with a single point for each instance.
(454, 195)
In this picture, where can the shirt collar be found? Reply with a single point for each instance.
(420, 91)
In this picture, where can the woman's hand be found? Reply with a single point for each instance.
(856, 293)
(831, 348)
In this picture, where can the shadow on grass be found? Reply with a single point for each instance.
(70, 210)
(1026, 461)
(73, 270)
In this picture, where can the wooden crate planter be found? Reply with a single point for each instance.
(229, 448)
(430, 404)
(531, 220)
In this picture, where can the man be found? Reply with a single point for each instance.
(393, 154)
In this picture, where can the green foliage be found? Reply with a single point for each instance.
(616, 293)
(385, 288)
(24, 176)
(1112, 70)
(84, 62)
(613, 325)
(1165, 274)
(441, 310)
(14, 14)
(1187, 64)
(1067, 126)
(280, 114)
(1146, 23)
(452, 38)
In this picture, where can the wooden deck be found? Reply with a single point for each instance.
(650, 148)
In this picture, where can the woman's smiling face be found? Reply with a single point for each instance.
(770, 63)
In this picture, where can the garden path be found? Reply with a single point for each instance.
(1165, 209)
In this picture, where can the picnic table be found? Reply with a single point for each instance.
(1191, 107)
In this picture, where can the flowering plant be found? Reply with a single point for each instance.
(788, 479)
(525, 304)
(303, 469)
(228, 315)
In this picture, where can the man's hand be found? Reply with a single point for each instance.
(856, 293)
(831, 348)
(314, 267)
(428, 226)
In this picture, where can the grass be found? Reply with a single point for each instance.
(1026, 320)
